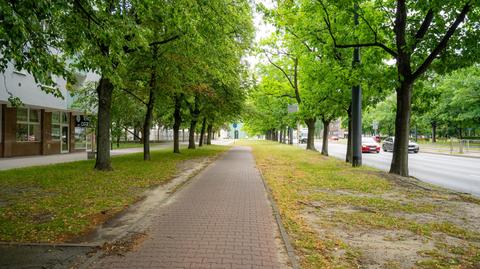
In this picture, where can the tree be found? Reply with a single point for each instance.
(412, 40)
(30, 38)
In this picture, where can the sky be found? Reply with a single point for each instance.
(262, 30)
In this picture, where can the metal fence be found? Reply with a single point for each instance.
(453, 146)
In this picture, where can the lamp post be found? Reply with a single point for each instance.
(356, 107)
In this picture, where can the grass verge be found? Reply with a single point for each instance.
(56, 203)
(126, 145)
(344, 217)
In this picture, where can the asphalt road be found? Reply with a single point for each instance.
(456, 173)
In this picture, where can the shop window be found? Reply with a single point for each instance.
(56, 126)
(59, 119)
(80, 138)
(28, 125)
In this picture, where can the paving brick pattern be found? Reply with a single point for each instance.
(222, 219)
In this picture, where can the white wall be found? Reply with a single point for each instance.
(23, 85)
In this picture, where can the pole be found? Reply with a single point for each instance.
(356, 107)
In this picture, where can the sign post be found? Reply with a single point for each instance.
(235, 134)
(375, 127)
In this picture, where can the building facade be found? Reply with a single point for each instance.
(44, 124)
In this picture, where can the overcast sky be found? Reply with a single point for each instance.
(262, 29)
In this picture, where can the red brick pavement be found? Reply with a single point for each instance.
(222, 219)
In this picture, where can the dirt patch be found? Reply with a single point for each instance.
(446, 234)
(42, 217)
(377, 248)
(127, 244)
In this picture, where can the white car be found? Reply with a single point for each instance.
(388, 145)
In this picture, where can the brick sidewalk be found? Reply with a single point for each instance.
(222, 219)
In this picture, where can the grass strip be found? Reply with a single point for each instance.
(59, 202)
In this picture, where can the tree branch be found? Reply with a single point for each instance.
(135, 96)
(281, 69)
(443, 42)
(84, 11)
(423, 28)
(281, 96)
(164, 41)
(375, 43)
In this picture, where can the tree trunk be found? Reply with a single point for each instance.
(191, 133)
(202, 132)
(326, 127)
(104, 92)
(399, 164)
(118, 141)
(434, 132)
(284, 136)
(311, 133)
(209, 133)
(177, 117)
(147, 124)
(348, 157)
(290, 135)
(281, 136)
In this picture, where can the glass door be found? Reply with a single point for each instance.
(65, 140)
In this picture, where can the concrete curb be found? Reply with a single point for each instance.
(283, 233)
(91, 245)
(451, 155)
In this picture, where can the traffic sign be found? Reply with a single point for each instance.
(235, 126)
(292, 108)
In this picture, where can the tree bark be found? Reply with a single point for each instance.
(399, 163)
(191, 134)
(202, 132)
(348, 157)
(209, 133)
(177, 117)
(147, 124)
(281, 136)
(194, 113)
(104, 92)
(311, 133)
(326, 127)
(434, 132)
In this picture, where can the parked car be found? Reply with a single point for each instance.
(388, 145)
(334, 138)
(370, 145)
(303, 138)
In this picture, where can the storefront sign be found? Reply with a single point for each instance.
(82, 121)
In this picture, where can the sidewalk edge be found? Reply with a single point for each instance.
(283, 233)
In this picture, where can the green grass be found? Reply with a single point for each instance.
(350, 198)
(59, 202)
(126, 145)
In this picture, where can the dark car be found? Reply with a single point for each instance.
(303, 138)
(370, 145)
(388, 145)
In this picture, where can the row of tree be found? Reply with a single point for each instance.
(444, 105)
(403, 43)
(175, 63)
